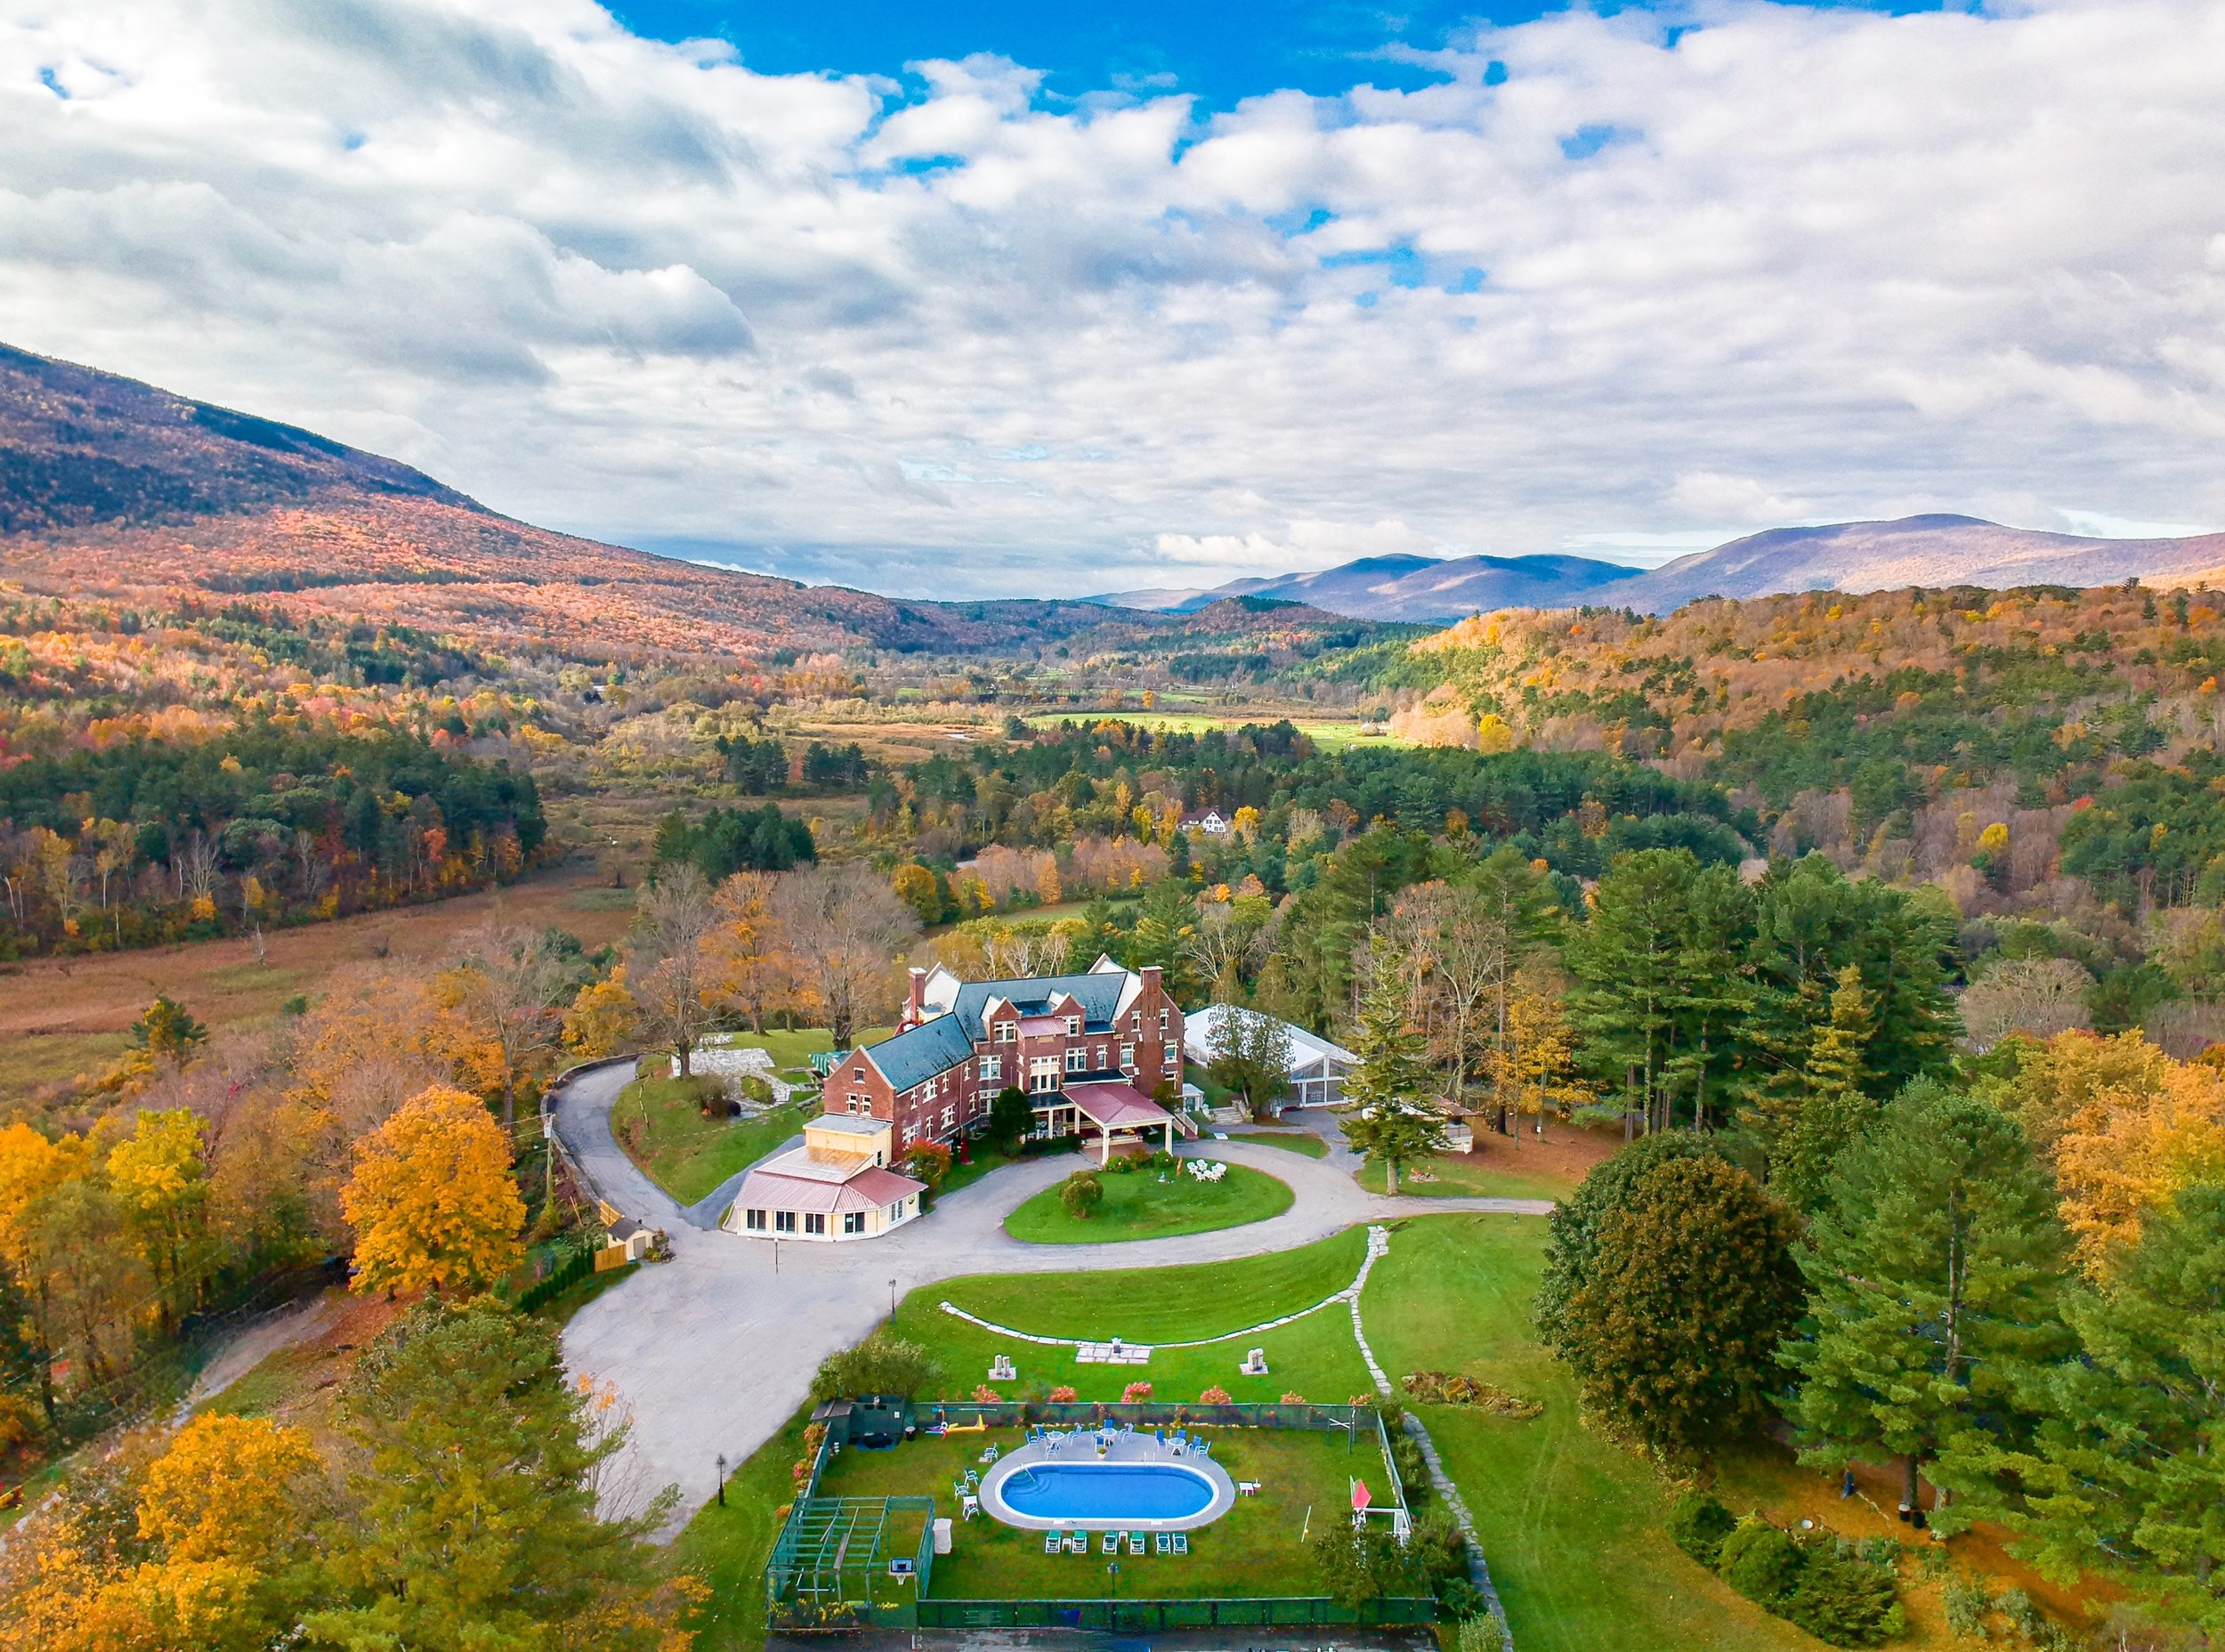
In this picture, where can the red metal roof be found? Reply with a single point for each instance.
(869, 1189)
(1114, 1106)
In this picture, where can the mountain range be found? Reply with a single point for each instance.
(109, 484)
(1930, 550)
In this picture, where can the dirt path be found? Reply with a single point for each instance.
(256, 1341)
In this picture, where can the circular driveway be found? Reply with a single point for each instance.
(711, 1352)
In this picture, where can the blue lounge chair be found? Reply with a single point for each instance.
(1078, 1544)
(1162, 1542)
(1109, 1544)
(1053, 1541)
(1135, 1542)
(1182, 1542)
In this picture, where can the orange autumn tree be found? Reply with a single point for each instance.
(2129, 1151)
(431, 1201)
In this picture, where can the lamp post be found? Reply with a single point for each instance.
(892, 1301)
(721, 1479)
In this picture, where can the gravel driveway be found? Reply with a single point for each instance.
(714, 1351)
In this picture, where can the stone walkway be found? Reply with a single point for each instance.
(712, 1352)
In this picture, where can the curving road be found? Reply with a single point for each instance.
(713, 1352)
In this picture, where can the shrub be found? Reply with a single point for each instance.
(1697, 1525)
(1481, 1634)
(1292, 1397)
(928, 1162)
(985, 1394)
(756, 1089)
(1844, 1600)
(882, 1363)
(1081, 1194)
(1135, 1393)
(1967, 1605)
(1440, 1548)
(1458, 1600)
(1214, 1395)
(1413, 1471)
(1761, 1562)
(1120, 1164)
(1062, 1394)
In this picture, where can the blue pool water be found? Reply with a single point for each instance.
(1107, 1491)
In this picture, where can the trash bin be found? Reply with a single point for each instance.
(942, 1536)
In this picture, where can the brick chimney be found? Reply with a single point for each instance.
(915, 1005)
(1150, 973)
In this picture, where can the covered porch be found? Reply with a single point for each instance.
(1118, 1109)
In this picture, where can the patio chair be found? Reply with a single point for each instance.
(1162, 1543)
(1182, 1542)
(968, 1507)
(961, 1490)
(1111, 1544)
(1053, 1541)
(1135, 1542)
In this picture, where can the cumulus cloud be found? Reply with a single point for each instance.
(945, 336)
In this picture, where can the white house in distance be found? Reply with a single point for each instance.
(1318, 1066)
(1212, 822)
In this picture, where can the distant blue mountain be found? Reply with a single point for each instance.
(1405, 588)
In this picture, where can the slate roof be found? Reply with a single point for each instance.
(1098, 993)
(917, 1055)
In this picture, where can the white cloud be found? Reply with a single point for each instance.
(1830, 264)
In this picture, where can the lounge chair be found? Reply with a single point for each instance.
(1109, 1544)
(1078, 1544)
(1182, 1542)
(1135, 1542)
(1053, 1541)
(1162, 1542)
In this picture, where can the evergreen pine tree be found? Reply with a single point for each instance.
(1830, 1112)
(1934, 1268)
(2127, 1476)
(1390, 1119)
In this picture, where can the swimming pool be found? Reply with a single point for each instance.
(1138, 1489)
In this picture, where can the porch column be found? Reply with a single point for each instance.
(1171, 1133)
(1105, 1146)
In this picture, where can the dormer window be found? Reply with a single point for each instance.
(1073, 1026)
(1005, 1031)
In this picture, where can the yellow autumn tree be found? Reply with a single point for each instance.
(2130, 1150)
(228, 1489)
(2058, 1078)
(433, 1203)
(602, 1017)
(158, 1174)
(1539, 1058)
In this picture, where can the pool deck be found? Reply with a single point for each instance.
(1128, 1449)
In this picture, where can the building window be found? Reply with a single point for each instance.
(853, 1221)
(1163, 1021)
(816, 1223)
(756, 1221)
(1128, 1058)
(1100, 1056)
(1003, 1031)
(783, 1221)
(1170, 1058)
(1073, 1026)
(991, 1069)
(1136, 1021)
(860, 1104)
(1044, 1079)
(1077, 1061)
(949, 1118)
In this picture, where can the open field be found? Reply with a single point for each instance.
(1140, 1205)
(1550, 1169)
(1253, 1549)
(1327, 733)
(61, 1016)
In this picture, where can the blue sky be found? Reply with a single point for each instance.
(993, 299)
(1217, 52)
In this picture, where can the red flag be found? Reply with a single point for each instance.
(1360, 1499)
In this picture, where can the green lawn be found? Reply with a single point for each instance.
(1571, 1524)
(1296, 1141)
(1254, 1549)
(1139, 1205)
(1457, 1177)
(727, 1548)
(683, 1152)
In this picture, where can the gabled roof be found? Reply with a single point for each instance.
(916, 1056)
(769, 1188)
(1115, 1105)
(1100, 993)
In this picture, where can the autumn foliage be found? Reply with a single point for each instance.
(431, 1201)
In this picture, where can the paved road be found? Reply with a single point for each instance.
(713, 1352)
